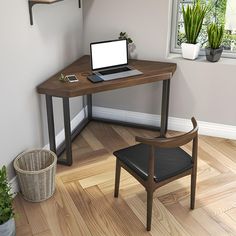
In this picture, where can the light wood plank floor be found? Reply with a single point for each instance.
(83, 203)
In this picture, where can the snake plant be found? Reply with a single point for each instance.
(193, 19)
(215, 35)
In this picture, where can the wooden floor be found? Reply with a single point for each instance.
(83, 203)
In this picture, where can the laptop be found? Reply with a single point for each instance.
(109, 60)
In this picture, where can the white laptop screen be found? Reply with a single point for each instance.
(108, 54)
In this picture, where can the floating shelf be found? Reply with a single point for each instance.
(33, 2)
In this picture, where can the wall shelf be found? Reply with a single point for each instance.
(34, 2)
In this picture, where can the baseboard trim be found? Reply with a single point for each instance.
(60, 137)
(178, 124)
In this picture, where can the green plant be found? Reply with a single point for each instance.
(193, 19)
(6, 209)
(215, 35)
(124, 35)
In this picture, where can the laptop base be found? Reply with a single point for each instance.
(119, 75)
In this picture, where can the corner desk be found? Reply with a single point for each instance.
(153, 71)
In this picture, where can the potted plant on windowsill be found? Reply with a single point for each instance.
(215, 36)
(7, 222)
(193, 17)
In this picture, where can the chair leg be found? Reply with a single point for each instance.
(193, 188)
(117, 178)
(149, 209)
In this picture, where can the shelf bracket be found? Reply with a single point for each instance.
(32, 3)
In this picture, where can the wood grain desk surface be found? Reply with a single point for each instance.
(152, 71)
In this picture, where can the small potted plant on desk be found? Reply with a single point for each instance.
(131, 45)
(215, 37)
(7, 222)
(193, 19)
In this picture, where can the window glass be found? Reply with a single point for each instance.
(223, 12)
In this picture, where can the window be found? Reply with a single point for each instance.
(221, 12)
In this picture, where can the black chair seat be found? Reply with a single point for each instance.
(169, 162)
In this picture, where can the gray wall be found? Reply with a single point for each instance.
(31, 54)
(28, 56)
(198, 88)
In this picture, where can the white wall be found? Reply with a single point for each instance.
(28, 56)
(198, 88)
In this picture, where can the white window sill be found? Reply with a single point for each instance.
(202, 59)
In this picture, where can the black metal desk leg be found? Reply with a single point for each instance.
(50, 119)
(66, 112)
(165, 106)
(89, 104)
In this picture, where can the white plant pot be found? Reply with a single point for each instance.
(131, 49)
(8, 228)
(190, 51)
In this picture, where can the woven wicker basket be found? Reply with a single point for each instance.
(36, 171)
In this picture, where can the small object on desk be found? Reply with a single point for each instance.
(95, 78)
(63, 78)
(72, 78)
(68, 78)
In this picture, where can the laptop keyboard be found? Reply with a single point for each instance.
(113, 71)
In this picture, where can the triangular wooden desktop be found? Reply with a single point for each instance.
(153, 71)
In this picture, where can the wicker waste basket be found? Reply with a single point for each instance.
(36, 171)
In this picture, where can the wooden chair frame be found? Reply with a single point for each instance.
(150, 184)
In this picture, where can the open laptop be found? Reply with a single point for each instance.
(109, 60)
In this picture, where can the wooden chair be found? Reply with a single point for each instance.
(157, 161)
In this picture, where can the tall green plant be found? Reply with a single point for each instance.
(6, 209)
(215, 35)
(193, 19)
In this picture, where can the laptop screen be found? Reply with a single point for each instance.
(108, 54)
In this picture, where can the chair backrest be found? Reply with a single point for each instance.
(171, 142)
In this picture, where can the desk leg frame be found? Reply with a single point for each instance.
(50, 119)
(67, 145)
(89, 105)
(165, 107)
(69, 137)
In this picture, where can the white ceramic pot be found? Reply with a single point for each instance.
(190, 51)
(8, 228)
(131, 49)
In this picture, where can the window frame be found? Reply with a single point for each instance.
(174, 34)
